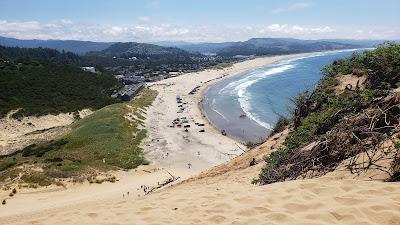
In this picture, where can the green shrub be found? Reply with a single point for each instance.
(280, 125)
(37, 178)
(40, 150)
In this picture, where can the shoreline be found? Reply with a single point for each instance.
(221, 194)
(214, 147)
(163, 141)
(221, 79)
(259, 140)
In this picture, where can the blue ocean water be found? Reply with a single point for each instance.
(263, 94)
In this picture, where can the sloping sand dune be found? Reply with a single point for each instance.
(228, 197)
(18, 133)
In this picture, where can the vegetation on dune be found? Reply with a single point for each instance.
(222, 66)
(102, 141)
(43, 87)
(330, 127)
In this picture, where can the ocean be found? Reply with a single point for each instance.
(248, 105)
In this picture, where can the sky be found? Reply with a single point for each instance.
(199, 20)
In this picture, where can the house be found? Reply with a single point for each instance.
(132, 80)
(173, 74)
(89, 69)
(129, 91)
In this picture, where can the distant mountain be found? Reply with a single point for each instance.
(197, 47)
(142, 51)
(78, 47)
(279, 46)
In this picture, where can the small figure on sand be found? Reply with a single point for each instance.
(253, 162)
(189, 165)
(223, 132)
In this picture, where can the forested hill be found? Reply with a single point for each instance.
(142, 51)
(42, 81)
(38, 54)
(280, 46)
(77, 47)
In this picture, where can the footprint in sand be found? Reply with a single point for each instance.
(280, 217)
(294, 207)
(247, 212)
(145, 209)
(348, 200)
(92, 215)
(217, 219)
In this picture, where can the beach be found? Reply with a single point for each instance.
(248, 105)
(171, 151)
(214, 185)
(173, 147)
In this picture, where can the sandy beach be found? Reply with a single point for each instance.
(222, 195)
(215, 178)
(173, 147)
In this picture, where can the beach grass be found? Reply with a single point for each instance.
(105, 140)
(222, 66)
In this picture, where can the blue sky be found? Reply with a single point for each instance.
(199, 20)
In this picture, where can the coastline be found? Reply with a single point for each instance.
(182, 149)
(221, 118)
(217, 191)
(163, 141)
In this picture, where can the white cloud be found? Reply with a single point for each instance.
(325, 29)
(295, 30)
(6, 26)
(116, 30)
(277, 27)
(148, 30)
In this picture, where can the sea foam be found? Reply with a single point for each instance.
(244, 97)
(239, 87)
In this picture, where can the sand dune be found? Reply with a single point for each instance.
(18, 133)
(231, 199)
(220, 195)
(226, 196)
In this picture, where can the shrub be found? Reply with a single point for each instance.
(280, 125)
(40, 150)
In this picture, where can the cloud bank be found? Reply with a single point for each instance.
(146, 30)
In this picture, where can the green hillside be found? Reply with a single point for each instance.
(280, 46)
(103, 141)
(42, 81)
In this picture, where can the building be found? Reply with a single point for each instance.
(129, 91)
(131, 79)
(89, 69)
